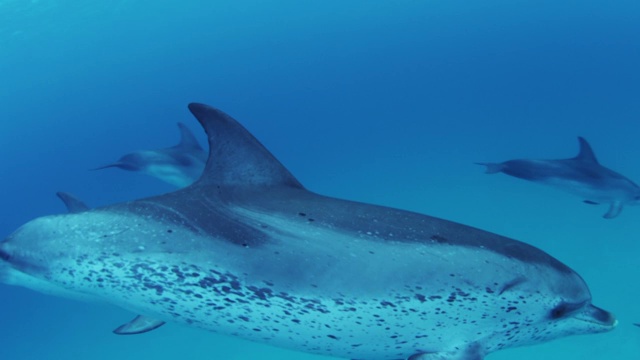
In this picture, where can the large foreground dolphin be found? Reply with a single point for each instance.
(179, 165)
(248, 251)
(581, 175)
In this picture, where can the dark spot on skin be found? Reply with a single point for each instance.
(332, 337)
(421, 297)
(302, 214)
(245, 245)
(169, 231)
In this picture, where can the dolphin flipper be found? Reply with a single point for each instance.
(140, 324)
(614, 210)
(73, 204)
(471, 353)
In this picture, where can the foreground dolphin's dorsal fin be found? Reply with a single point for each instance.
(237, 158)
(614, 210)
(73, 204)
(140, 324)
(586, 153)
(187, 140)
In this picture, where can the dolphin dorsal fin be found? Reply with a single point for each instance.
(73, 204)
(586, 153)
(187, 140)
(237, 158)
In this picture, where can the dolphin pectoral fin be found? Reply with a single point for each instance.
(73, 204)
(140, 324)
(590, 202)
(471, 354)
(614, 210)
(492, 168)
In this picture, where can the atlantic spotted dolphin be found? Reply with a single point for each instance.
(247, 251)
(179, 165)
(581, 175)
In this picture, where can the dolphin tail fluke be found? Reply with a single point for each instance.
(492, 168)
(614, 210)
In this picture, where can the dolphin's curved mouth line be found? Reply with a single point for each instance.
(596, 322)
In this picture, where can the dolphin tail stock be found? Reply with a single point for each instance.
(492, 168)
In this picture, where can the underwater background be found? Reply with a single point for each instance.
(386, 102)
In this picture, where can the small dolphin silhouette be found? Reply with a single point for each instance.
(582, 175)
(178, 165)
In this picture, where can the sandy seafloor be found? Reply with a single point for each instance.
(387, 102)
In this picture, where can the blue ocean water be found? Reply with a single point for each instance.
(377, 101)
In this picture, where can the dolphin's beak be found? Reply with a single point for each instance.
(602, 319)
(117, 164)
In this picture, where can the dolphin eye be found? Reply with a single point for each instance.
(559, 311)
(564, 308)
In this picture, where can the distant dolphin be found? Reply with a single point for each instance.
(247, 251)
(178, 165)
(581, 175)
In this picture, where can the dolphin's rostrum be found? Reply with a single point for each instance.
(581, 175)
(246, 250)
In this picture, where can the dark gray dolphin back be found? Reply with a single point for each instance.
(237, 158)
